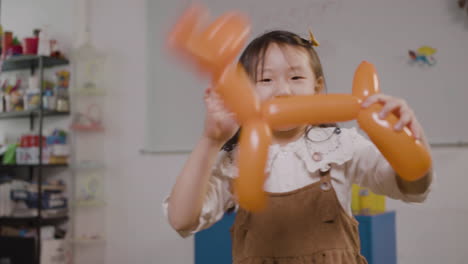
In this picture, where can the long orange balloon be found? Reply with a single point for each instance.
(234, 84)
(253, 154)
(366, 81)
(409, 157)
(219, 44)
(310, 109)
(184, 31)
(213, 49)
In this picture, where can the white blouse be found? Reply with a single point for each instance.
(350, 157)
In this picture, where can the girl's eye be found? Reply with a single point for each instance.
(265, 80)
(297, 77)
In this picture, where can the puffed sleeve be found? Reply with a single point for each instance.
(218, 198)
(368, 168)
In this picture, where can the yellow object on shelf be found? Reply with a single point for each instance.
(365, 202)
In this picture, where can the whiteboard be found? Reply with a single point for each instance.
(379, 31)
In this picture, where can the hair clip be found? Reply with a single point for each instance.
(312, 39)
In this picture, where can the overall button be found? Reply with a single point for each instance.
(325, 186)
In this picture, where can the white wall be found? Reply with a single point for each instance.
(436, 232)
(379, 31)
(137, 231)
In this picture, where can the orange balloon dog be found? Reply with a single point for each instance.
(214, 47)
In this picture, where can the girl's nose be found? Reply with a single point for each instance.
(283, 89)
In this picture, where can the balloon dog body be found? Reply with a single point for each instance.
(213, 49)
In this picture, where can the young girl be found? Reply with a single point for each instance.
(310, 169)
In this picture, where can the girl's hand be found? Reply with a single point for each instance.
(220, 124)
(400, 108)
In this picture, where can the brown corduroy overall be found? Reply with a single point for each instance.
(303, 226)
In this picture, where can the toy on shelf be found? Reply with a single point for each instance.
(16, 48)
(32, 99)
(28, 150)
(23, 199)
(9, 156)
(11, 46)
(55, 149)
(12, 96)
(25, 94)
(58, 147)
(61, 91)
(55, 50)
(55, 94)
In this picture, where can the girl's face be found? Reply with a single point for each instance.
(286, 71)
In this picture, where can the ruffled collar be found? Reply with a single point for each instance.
(333, 148)
(329, 147)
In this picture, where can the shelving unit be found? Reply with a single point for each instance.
(35, 171)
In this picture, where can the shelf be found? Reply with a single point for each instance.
(33, 165)
(26, 62)
(28, 114)
(31, 221)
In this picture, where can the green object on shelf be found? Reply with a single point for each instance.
(10, 155)
(16, 41)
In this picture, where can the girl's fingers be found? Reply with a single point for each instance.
(390, 106)
(415, 128)
(405, 119)
(375, 98)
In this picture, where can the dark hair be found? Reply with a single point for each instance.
(254, 54)
(255, 51)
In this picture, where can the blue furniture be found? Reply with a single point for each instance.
(213, 245)
(378, 237)
(377, 232)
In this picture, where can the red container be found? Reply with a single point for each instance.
(35, 141)
(30, 45)
(26, 141)
(30, 140)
